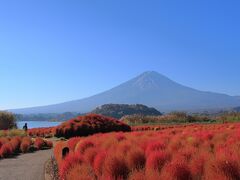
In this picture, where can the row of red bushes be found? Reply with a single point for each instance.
(51, 131)
(91, 124)
(183, 153)
(154, 127)
(15, 145)
(41, 132)
(160, 127)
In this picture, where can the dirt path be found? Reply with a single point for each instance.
(28, 166)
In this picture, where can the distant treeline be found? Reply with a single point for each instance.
(174, 117)
(46, 117)
(229, 117)
(181, 117)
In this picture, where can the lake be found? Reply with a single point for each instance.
(37, 124)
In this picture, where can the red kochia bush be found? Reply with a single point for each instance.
(88, 125)
(115, 167)
(25, 147)
(138, 175)
(73, 142)
(6, 150)
(225, 166)
(228, 168)
(26, 144)
(90, 155)
(39, 143)
(58, 151)
(120, 137)
(49, 144)
(41, 132)
(15, 143)
(136, 159)
(157, 160)
(86, 173)
(82, 146)
(70, 161)
(99, 162)
(177, 170)
(155, 146)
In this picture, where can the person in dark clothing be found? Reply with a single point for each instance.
(25, 127)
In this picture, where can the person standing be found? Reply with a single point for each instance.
(25, 127)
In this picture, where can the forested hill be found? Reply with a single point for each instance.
(120, 110)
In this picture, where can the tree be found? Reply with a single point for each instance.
(7, 120)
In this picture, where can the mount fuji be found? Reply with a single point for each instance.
(151, 89)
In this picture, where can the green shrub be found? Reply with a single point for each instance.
(7, 120)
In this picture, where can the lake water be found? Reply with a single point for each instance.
(37, 124)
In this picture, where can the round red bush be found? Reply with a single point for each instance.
(88, 125)
(157, 160)
(39, 143)
(82, 146)
(25, 146)
(99, 162)
(69, 162)
(115, 167)
(136, 159)
(177, 170)
(6, 150)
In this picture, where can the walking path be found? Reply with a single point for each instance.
(28, 166)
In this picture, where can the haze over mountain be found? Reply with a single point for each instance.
(151, 89)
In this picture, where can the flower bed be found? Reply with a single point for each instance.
(10, 146)
(186, 152)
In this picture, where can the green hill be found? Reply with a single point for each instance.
(120, 110)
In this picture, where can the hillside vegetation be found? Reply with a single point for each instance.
(120, 110)
(229, 117)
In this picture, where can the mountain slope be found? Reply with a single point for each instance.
(238, 97)
(151, 89)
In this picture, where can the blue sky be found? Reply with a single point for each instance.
(58, 50)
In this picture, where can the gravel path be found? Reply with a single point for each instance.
(28, 166)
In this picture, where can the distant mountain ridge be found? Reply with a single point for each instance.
(120, 110)
(236, 109)
(151, 89)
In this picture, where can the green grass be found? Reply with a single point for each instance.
(12, 132)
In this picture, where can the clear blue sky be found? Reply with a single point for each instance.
(59, 50)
